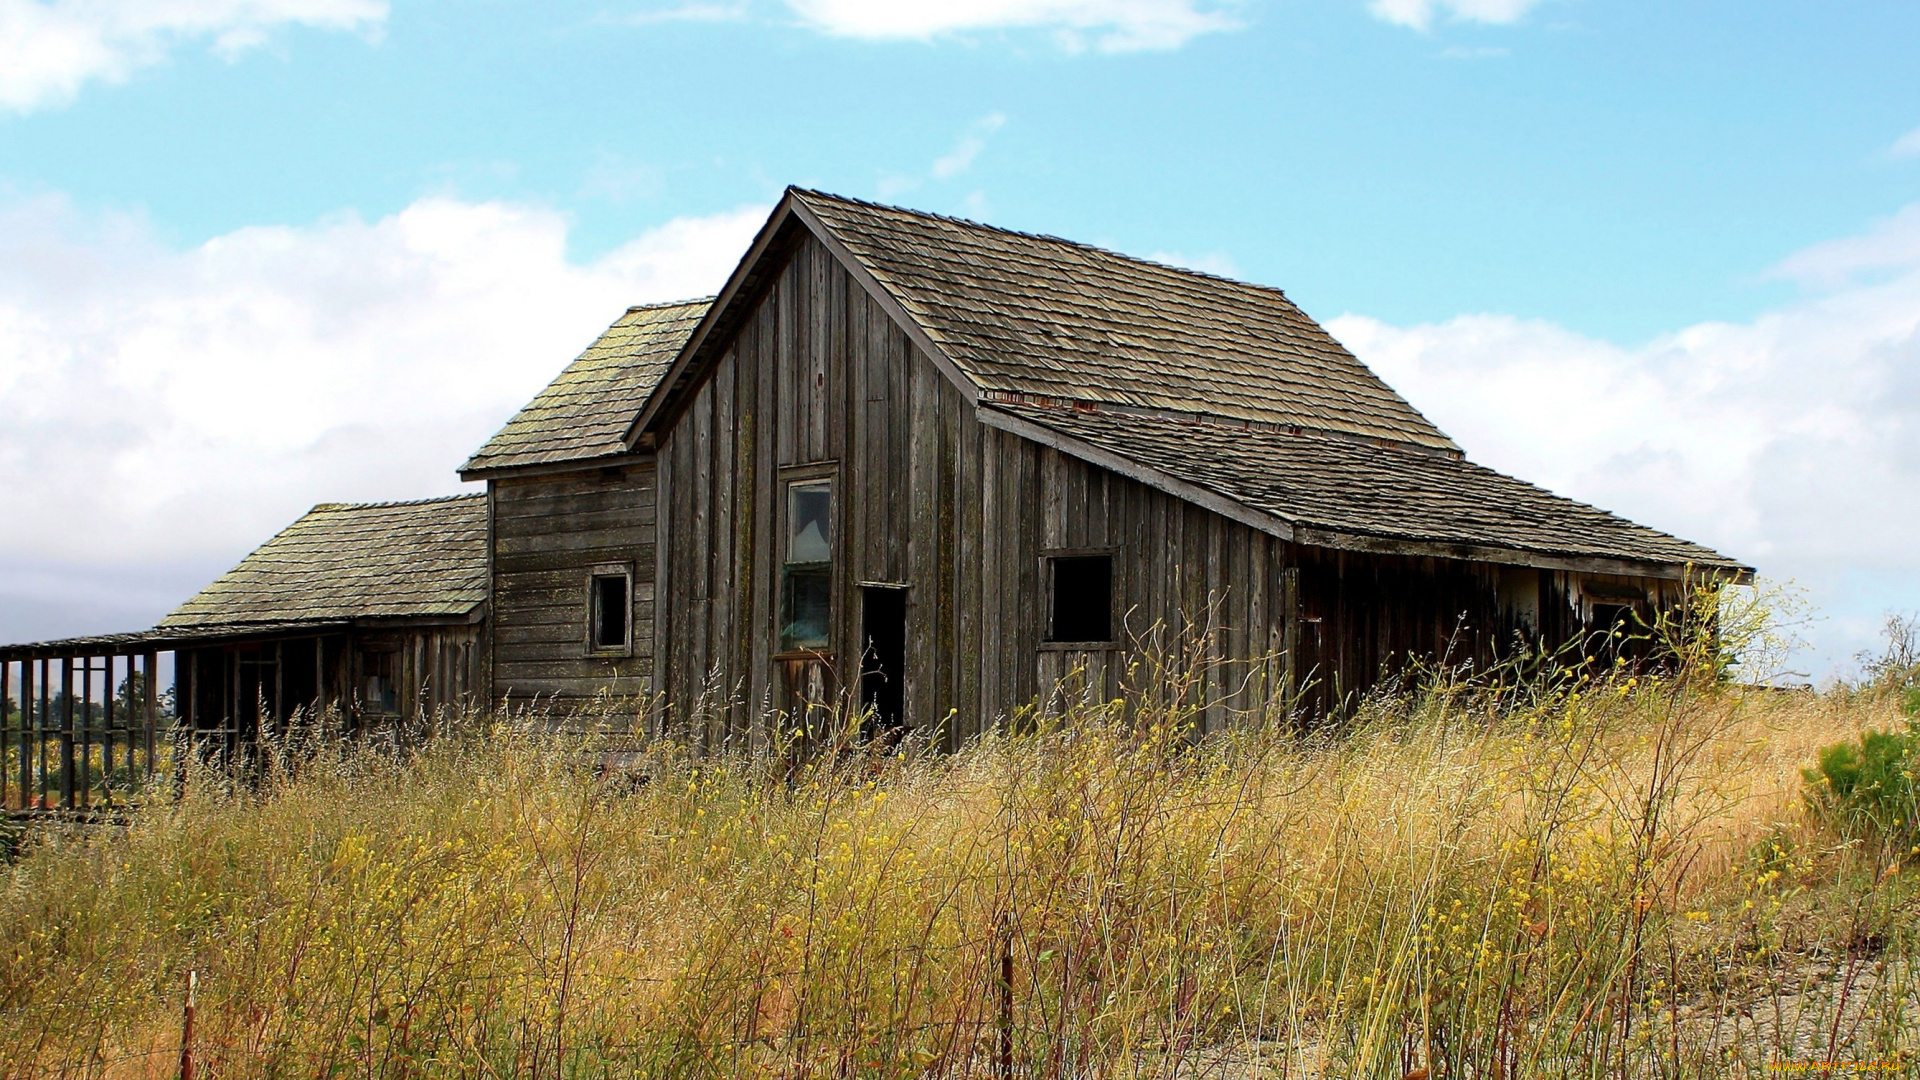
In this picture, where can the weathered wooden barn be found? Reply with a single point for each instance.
(940, 465)
(934, 467)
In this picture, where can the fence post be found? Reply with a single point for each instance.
(6, 726)
(1004, 1062)
(186, 1028)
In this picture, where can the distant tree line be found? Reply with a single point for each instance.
(128, 700)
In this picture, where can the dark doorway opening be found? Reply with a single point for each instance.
(883, 656)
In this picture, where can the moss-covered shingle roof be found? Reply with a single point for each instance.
(345, 561)
(585, 412)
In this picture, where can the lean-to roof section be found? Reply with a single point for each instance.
(1349, 493)
(585, 412)
(344, 561)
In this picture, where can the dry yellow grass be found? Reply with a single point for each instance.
(1608, 878)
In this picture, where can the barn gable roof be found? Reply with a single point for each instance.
(346, 561)
(1040, 317)
(1216, 391)
(584, 413)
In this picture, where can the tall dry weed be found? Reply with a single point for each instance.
(1593, 876)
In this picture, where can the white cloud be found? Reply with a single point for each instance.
(1420, 14)
(1888, 246)
(178, 407)
(50, 48)
(1791, 442)
(1907, 145)
(695, 11)
(952, 163)
(960, 158)
(1106, 25)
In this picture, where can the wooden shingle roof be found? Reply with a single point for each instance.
(345, 561)
(1040, 317)
(1350, 493)
(1216, 390)
(584, 413)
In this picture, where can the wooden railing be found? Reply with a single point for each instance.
(83, 728)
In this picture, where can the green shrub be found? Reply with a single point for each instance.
(1866, 787)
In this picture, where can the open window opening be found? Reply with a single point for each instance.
(610, 618)
(1617, 634)
(806, 573)
(1081, 608)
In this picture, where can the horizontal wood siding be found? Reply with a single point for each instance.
(549, 532)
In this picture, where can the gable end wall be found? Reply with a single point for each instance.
(819, 377)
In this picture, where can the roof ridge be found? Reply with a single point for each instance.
(631, 308)
(463, 496)
(1048, 237)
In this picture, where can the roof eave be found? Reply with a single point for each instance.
(1128, 467)
(1346, 540)
(666, 392)
(1726, 572)
(474, 474)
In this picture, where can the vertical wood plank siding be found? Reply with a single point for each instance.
(549, 534)
(817, 377)
(926, 497)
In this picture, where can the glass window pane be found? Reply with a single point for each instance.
(382, 691)
(809, 521)
(804, 606)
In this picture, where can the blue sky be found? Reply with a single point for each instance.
(1651, 255)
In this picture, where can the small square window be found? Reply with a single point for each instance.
(1082, 598)
(611, 615)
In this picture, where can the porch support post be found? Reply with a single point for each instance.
(106, 740)
(150, 684)
(42, 722)
(66, 733)
(26, 725)
(6, 728)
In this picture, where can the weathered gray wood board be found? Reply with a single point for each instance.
(818, 379)
(245, 687)
(549, 534)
